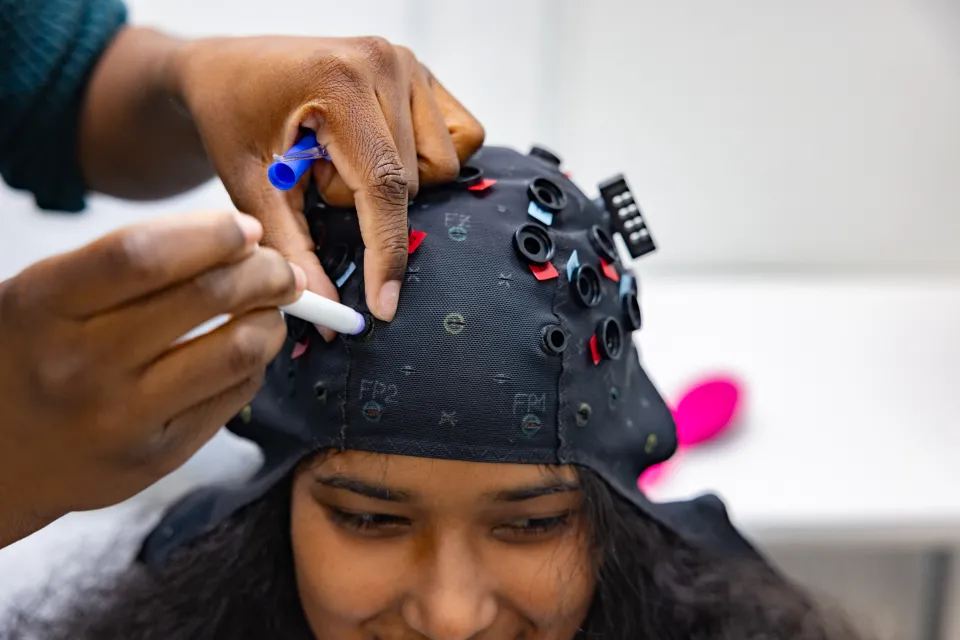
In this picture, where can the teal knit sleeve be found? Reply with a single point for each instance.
(48, 49)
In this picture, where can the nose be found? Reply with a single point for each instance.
(450, 613)
(450, 601)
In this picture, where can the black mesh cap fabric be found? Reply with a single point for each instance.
(512, 343)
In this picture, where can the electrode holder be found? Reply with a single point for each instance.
(626, 217)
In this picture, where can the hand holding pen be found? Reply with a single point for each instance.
(103, 395)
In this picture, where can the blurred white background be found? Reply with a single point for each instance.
(815, 141)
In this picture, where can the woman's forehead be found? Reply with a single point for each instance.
(430, 475)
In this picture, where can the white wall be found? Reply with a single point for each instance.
(820, 136)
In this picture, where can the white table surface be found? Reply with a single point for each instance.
(851, 430)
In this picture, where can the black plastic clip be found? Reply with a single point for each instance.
(625, 216)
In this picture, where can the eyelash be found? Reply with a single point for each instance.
(540, 526)
(365, 522)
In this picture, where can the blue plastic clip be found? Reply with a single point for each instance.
(572, 264)
(287, 169)
(543, 216)
(346, 274)
(626, 285)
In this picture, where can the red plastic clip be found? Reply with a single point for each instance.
(483, 185)
(544, 271)
(568, 175)
(594, 350)
(609, 270)
(300, 348)
(416, 237)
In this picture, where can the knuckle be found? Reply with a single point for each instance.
(134, 253)
(425, 70)
(408, 60)
(379, 53)
(389, 180)
(404, 53)
(445, 169)
(279, 281)
(216, 288)
(474, 133)
(342, 71)
(62, 377)
(227, 231)
(18, 298)
(246, 350)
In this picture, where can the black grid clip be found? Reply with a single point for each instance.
(626, 216)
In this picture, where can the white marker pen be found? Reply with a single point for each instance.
(326, 313)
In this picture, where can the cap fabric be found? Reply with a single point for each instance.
(512, 343)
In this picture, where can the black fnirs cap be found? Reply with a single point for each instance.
(498, 353)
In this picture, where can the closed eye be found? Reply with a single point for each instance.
(369, 523)
(533, 529)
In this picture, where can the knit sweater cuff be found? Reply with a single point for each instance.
(48, 49)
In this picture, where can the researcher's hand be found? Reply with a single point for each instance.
(387, 123)
(99, 398)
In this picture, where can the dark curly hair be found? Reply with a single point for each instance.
(237, 583)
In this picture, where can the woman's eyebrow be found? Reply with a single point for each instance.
(360, 487)
(529, 492)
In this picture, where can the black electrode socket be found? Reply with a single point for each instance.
(603, 244)
(533, 244)
(554, 339)
(585, 286)
(320, 391)
(470, 176)
(631, 305)
(368, 325)
(336, 262)
(547, 194)
(296, 328)
(610, 338)
(545, 154)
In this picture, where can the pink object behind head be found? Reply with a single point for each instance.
(706, 410)
(652, 475)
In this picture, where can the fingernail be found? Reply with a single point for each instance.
(250, 226)
(300, 275)
(387, 300)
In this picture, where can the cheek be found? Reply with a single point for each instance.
(338, 580)
(551, 584)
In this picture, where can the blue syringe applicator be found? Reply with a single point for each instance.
(287, 169)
